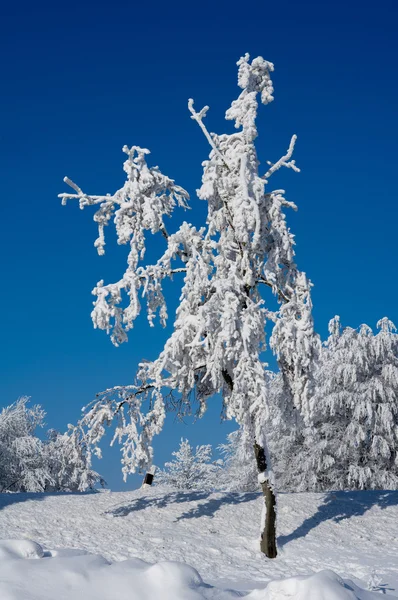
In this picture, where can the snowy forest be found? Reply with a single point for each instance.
(59, 463)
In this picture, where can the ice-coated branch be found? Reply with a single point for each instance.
(85, 200)
(135, 427)
(140, 205)
(121, 389)
(146, 197)
(198, 117)
(284, 161)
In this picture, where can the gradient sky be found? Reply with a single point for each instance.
(79, 82)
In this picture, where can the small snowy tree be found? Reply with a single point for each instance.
(239, 471)
(218, 336)
(22, 468)
(68, 462)
(191, 469)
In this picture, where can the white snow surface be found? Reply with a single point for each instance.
(153, 543)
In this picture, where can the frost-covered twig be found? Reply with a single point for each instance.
(284, 161)
(198, 117)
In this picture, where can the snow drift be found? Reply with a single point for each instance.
(28, 572)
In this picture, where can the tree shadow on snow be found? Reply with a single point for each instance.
(341, 505)
(212, 505)
(6, 499)
(207, 506)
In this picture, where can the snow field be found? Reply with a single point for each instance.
(354, 534)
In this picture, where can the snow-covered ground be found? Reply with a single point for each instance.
(354, 534)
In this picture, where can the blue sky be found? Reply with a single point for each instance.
(79, 82)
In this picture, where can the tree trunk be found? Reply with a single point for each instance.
(148, 479)
(268, 535)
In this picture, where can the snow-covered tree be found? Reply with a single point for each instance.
(296, 345)
(21, 464)
(68, 461)
(218, 337)
(29, 464)
(346, 437)
(239, 471)
(191, 469)
(354, 433)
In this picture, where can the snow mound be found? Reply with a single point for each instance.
(10, 549)
(69, 574)
(324, 585)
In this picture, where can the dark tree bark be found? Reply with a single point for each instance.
(148, 479)
(268, 535)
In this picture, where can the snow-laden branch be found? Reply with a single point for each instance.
(284, 161)
(146, 197)
(84, 199)
(250, 199)
(198, 117)
(140, 205)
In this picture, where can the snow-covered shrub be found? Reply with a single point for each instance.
(191, 469)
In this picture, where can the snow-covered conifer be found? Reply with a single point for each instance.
(296, 345)
(355, 412)
(218, 334)
(191, 469)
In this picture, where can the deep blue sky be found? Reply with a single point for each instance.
(79, 82)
